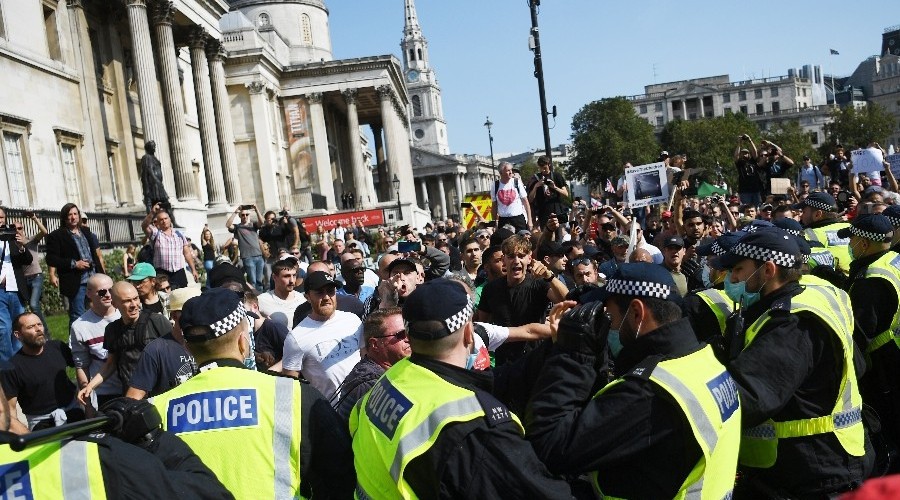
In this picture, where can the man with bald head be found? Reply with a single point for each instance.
(640, 255)
(126, 337)
(86, 339)
(346, 303)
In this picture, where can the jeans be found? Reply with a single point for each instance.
(10, 307)
(76, 303)
(36, 285)
(754, 199)
(254, 267)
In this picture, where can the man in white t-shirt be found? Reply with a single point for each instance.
(279, 303)
(510, 200)
(324, 347)
(86, 340)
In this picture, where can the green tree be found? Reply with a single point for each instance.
(606, 134)
(528, 169)
(708, 142)
(793, 140)
(855, 128)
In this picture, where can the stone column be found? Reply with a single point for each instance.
(163, 14)
(215, 185)
(700, 101)
(359, 173)
(152, 121)
(380, 163)
(684, 115)
(320, 149)
(443, 196)
(268, 181)
(459, 193)
(215, 53)
(385, 92)
(423, 187)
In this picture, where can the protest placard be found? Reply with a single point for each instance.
(647, 185)
(867, 160)
(780, 186)
(894, 160)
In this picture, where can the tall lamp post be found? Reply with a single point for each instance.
(488, 123)
(396, 183)
(534, 43)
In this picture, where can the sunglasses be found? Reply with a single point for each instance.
(102, 292)
(580, 261)
(401, 335)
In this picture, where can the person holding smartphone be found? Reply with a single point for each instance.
(545, 192)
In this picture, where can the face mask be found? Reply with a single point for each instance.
(852, 250)
(738, 291)
(614, 341)
(470, 361)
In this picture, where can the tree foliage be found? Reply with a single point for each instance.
(606, 134)
(854, 128)
(793, 140)
(709, 141)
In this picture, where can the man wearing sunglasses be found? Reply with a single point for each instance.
(86, 340)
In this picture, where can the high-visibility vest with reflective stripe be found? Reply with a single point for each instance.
(400, 419)
(62, 469)
(244, 425)
(885, 268)
(708, 396)
(759, 446)
(719, 303)
(828, 238)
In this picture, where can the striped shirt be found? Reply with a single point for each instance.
(168, 250)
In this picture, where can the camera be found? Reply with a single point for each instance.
(246, 207)
(283, 213)
(8, 232)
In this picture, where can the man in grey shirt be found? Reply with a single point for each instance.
(86, 339)
(247, 235)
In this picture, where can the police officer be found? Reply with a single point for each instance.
(98, 464)
(429, 427)
(892, 212)
(667, 427)
(820, 218)
(708, 310)
(264, 436)
(803, 433)
(874, 287)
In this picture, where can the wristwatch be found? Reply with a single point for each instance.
(552, 275)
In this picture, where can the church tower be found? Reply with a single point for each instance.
(428, 128)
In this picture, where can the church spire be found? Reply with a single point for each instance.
(411, 28)
(414, 45)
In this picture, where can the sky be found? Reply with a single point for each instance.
(594, 49)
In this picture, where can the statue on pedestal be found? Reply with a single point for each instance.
(152, 179)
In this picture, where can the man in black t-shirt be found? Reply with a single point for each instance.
(521, 297)
(750, 185)
(545, 193)
(38, 380)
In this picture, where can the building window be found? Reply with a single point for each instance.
(658, 107)
(774, 91)
(759, 109)
(659, 121)
(420, 133)
(52, 31)
(757, 93)
(744, 110)
(742, 95)
(111, 166)
(412, 55)
(692, 116)
(814, 137)
(726, 97)
(419, 54)
(417, 105)
(305, 30)
(2, 31)
(263, 20)
(643, 109)
(70, 173)
(776, 107)
(15, 170)
(804, 92)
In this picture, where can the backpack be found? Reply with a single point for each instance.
(497, 186)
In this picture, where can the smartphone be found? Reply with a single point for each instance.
(409, 246)
(246, 207)
(465, 204)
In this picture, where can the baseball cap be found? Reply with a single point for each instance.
(430, 319)
(318, 280)
(224, 273)
(398, 262)
(179, 296)
(212, 314)
(142, 271)
(673, 241)
(622, 239)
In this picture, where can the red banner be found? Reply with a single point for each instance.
(347, 219)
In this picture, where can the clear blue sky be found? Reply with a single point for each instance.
(594, 49)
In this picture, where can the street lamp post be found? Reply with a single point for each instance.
(488, 124)
(396, 183)
(535, 46)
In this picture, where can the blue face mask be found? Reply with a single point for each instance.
(470, 361)
(738, 291)
(614, 343)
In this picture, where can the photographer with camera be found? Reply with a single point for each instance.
(545, 193)
(13, 286)
(750, 185)
(247, 237)
(773, 163)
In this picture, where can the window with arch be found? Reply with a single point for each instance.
(417, 105)
(419, 52)
(412, 55)
(305, 30)
(263, 20)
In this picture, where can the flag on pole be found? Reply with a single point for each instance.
(609, 187)
(595, 203)
(834, 52)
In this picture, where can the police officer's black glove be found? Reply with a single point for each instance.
(584, 329)
(134, 421)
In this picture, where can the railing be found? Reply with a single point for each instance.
(113, 230)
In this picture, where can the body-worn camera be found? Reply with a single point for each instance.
(8, 232)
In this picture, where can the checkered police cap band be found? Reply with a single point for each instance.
(818, 205)
(895, 221)
(855, 231)
(638, 288)
(764, 254)
(717, 249)
(459, 319)
(229, 322)
(792, 231)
